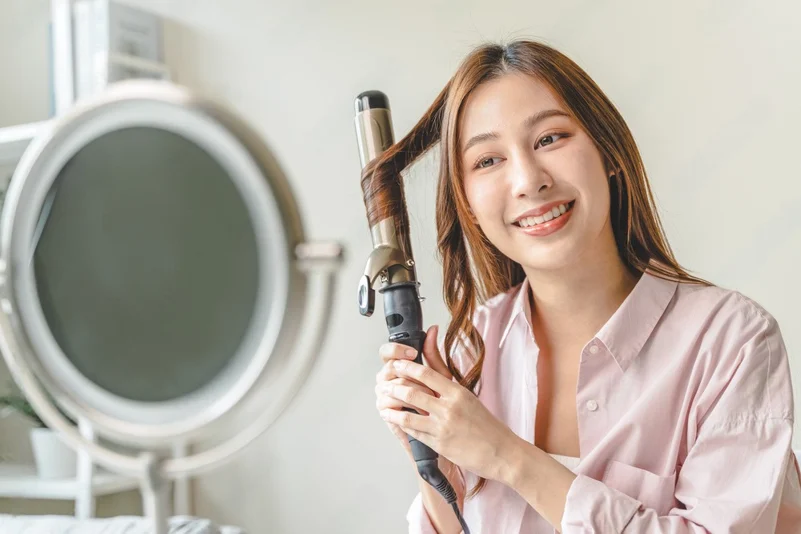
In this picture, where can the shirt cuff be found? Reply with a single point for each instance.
(592, 506)
(419, 522)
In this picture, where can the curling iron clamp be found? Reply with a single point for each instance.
(392, 270)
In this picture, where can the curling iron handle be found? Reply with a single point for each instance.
(424, 456)
(404, 317)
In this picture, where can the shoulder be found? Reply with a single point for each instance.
(723, 312)
(741, 352)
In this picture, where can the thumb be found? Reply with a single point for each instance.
(432, 354)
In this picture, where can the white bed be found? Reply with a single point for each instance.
(54, 524)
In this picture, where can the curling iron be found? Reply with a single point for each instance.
(391, 268)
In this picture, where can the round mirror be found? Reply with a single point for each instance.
(152, 283)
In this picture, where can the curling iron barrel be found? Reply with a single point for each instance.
(386, 211)
(390, 264)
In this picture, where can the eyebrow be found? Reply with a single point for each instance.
(529, 123)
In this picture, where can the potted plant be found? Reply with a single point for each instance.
(53, 457)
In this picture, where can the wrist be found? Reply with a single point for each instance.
(514, 458)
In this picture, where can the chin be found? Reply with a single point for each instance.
(556, 256)
(551, 263)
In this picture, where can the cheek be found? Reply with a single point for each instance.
(600, 196)
(484, 200)
(592, 183)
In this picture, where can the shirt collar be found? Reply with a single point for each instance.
(626, 332)
(521, 309)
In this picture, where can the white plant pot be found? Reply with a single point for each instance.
(53, 457)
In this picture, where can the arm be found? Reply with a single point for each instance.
(742, 495)
(731, 480)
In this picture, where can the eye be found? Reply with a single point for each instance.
(549, 139)
(484, 163)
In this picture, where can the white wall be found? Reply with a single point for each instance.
(710, 90)
(24, 63)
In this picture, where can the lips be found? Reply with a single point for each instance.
(542, 210)
(544, 214)
(547, 227)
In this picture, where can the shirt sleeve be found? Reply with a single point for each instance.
(734, 474)
(419, 521)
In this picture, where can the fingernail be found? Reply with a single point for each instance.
(397, 364)
(411, 353)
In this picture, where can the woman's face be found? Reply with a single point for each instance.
(535, 181)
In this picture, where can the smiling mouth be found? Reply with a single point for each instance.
(555, 213)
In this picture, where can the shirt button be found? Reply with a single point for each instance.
(592, 405)
(593, 349)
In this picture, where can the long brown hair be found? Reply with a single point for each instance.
(473, 268)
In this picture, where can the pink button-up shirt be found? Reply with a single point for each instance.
(685, 415)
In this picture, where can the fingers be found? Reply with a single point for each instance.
(396, 351)
(398, 393)
(410, 422)
(388, 377)
(387, 373)
(386, 402)
(400, 434)
(425, 375)
(413, 396)
(432, 355)
(411, 383)
(395, 392)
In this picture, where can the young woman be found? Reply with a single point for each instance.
(587, 382)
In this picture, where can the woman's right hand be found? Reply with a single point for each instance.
(438, 510)
(386, 376)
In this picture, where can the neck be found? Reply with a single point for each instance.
(572, 304)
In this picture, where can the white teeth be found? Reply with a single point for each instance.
(558, 211)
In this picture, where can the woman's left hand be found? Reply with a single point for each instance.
(458, 426)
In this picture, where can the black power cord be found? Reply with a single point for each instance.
(465, 530)
(430, 472)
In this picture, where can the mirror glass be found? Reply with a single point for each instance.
(146, 264)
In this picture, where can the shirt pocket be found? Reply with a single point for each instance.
(652, 490)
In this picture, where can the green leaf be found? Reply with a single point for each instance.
(21, 405)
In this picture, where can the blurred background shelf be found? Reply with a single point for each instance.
(21, 482)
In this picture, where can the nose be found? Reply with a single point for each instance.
(528, 178)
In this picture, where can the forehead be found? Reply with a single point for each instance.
(503, 103)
